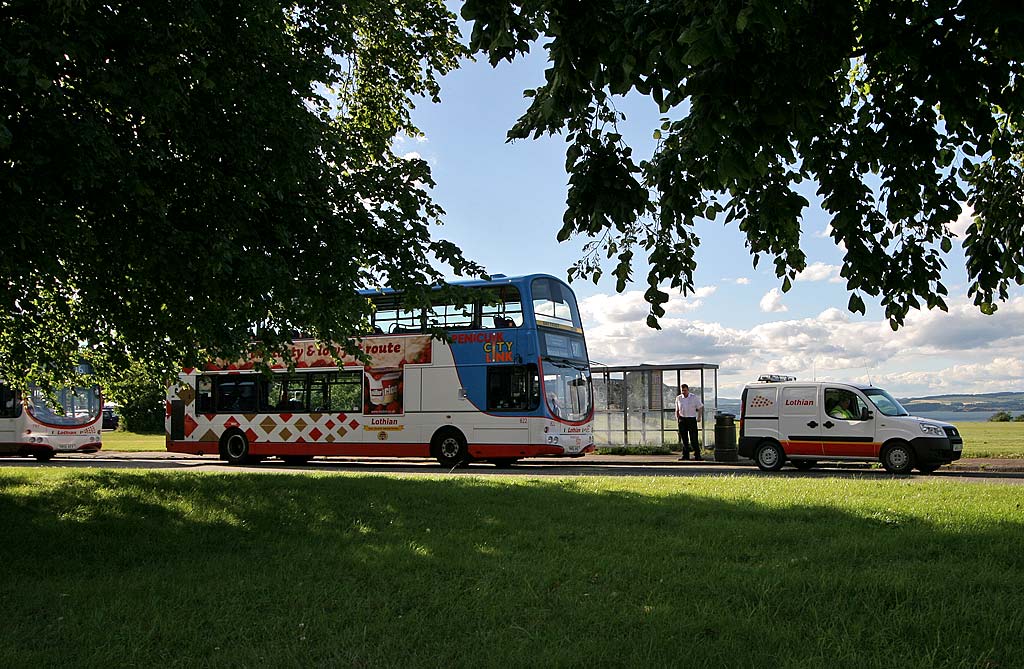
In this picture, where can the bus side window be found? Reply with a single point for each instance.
(506, 311)
(235, 393)
(318, 398)
(450, 315)
(271, 395)
(204, 395)
(9, 404)
(345, 392)
(294, 396)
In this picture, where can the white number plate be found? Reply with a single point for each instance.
(958, 447)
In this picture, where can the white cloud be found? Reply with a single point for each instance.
(772, 302)
(935, 352)
(834, 315)
(402, 138)
(630, 306)
(998, 374)
(962, 222)
(743, 281)
(412, 155)
(819, 271)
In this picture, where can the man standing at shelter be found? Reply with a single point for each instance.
(688, 408)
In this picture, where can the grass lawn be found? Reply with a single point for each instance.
(992, 440)
(115, 568)
(118, 440)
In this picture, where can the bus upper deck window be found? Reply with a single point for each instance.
(503, 308)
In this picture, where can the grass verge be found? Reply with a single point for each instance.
(119, 440)
(112, 568)
(993, 440)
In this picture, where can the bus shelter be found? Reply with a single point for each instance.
(635, 405)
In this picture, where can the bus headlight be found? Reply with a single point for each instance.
(552, 438)
(933, 430)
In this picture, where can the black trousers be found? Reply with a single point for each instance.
(688, 436)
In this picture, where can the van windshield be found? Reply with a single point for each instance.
(885, 402)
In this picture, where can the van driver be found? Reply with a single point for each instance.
(842, 409)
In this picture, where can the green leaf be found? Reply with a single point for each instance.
(742, 18)
(184, 108)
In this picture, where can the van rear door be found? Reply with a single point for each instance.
(800, 420)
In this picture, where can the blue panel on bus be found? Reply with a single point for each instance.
(476, 350)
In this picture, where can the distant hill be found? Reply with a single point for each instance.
(989, 402)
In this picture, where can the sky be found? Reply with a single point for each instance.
(504, 204)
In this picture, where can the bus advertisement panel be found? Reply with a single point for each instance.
(499, 389)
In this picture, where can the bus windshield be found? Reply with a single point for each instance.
(885, 402)
(566, 374)
(65, 406)
(569, 392)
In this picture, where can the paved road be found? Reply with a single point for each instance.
(978, 471)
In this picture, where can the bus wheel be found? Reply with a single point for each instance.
(296, 459)
(235, 448)
(43, 456)
(769, 457)
(449, 447)
(898, 458)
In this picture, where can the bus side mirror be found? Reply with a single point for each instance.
(865, 414)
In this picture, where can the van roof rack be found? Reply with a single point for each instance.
(775, 378)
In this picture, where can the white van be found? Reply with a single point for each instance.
(805, 422)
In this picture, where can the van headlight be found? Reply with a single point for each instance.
(933, 430)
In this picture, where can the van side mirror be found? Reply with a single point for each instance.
(865, 414)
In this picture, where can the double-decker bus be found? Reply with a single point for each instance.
(511, 381)
(41, 423)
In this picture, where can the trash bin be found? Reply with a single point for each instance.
(725, 438)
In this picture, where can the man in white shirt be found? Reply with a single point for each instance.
(688, 407)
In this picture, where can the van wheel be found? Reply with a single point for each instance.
(769, 457)
(898, 459)
(235, 448)
(928, 469)
(805, 465)
(450, 449)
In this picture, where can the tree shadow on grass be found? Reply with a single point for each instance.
(150, 568)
